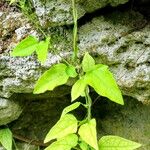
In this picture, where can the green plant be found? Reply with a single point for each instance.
(68, 131)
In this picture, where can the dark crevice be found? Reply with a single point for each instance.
(132, 5)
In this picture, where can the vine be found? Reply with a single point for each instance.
(70, 133)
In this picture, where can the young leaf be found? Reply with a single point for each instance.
(103, 82)
(42, 50)
(52, 78)
(6, 138)
(77, 89)
(71, 71)
(88, 62)
(65, 143)
(70, 108)
(116, 142)
(87, 133)
(26, 47)
(66, 125)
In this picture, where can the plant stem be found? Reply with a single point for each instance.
(88, 103)
(75, 30)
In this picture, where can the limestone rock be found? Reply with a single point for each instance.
(56, 13)
(9, 111)
(119, 40)
(123, 43)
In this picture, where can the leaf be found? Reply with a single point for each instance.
(83, 146)
(70, 108)
(42, 50)
(117, 143)
(87, 133)
(52, 78)
(103, 82)
(65, 143)
(71, 71)
(6, 138)
(78, 89)
(26, 47)
(88, 62)
(66, 125)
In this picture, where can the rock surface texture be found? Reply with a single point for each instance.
(120, 39)
(55, 13)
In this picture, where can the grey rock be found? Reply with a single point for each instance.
(56, 13)
(119, 40)
(123, 43)
(9, 111)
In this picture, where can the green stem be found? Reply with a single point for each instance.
(88, 103)
(75, 30)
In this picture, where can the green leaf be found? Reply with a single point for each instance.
(87, 133)
(117, 143)
(103, 82)
(42, 50)
(88, 62)
(84, 146)
(78, 89)
(71, 71)
(52, 78)
(70, 108)
(65, 143)
(6, 138)
(26, 47)
(66, 125)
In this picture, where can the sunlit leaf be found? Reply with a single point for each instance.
(66, 125)
(78, 89)
(87, 133)
(117, 143)
(52, 78)
(6, 138)
(42, 50)
(70, 108)
(65, 143)
(26, 47)
(83, 146)
(71, 71)
(88, 62)
(103, 82)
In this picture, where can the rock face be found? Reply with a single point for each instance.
(56, 13)
(120, 40)
(9, 110)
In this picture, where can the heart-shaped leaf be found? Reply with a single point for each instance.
(78, 89)
(117, 143)
(88, 62)
(66, 125)
(87, 133)
(52, 78)
(65, 143)
(103, 82)
(26, 47)
(70, 108)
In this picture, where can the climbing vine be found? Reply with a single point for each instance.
(69, 132)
